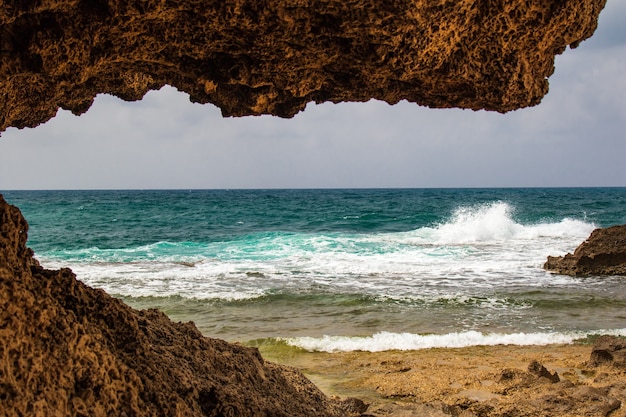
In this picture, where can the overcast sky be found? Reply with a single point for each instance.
(575, 137)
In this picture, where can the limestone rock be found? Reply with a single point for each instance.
(609, 350)
(253, 57)
(67, 349)
(540, 371)
(603, 253)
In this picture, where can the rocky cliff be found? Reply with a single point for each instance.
(67, 349)
(253, 57)
(604, 253)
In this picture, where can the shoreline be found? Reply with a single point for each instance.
(477, 380)
(96, 355)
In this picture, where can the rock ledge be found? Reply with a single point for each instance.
(251, 57)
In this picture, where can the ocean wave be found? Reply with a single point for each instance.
(481, 246)
(491, 223)
(307, 263)
(384, 341)
(162, 251)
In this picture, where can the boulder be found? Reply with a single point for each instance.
(603, 253)
(609, 350)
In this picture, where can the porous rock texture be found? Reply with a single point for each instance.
(609, 350)
(253, 57)
(69, 350)
(603, 253)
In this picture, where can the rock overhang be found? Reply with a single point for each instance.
(251, 57)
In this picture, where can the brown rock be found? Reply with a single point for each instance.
(252, 57)
(597, 401)
(68, 349)
(609, 350)
(353, 406)
(583, 401)
(540, 371)
(603, 253)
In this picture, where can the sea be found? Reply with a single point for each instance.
(334, 270)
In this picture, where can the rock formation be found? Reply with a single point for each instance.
(609, 351)
(496, 381)
(68, 349)
(253, 57)
(604, 253)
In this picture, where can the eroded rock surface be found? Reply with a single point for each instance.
(609, 351)
(494, 381)
(67, 349)
(603, 253)
(253, 57)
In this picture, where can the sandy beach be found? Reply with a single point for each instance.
(472, 381)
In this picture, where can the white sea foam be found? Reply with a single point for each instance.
(384, 341)
(164, 279)
(486, 223)
(479, 247)
(492, 223)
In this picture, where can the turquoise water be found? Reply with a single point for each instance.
(341, 269)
